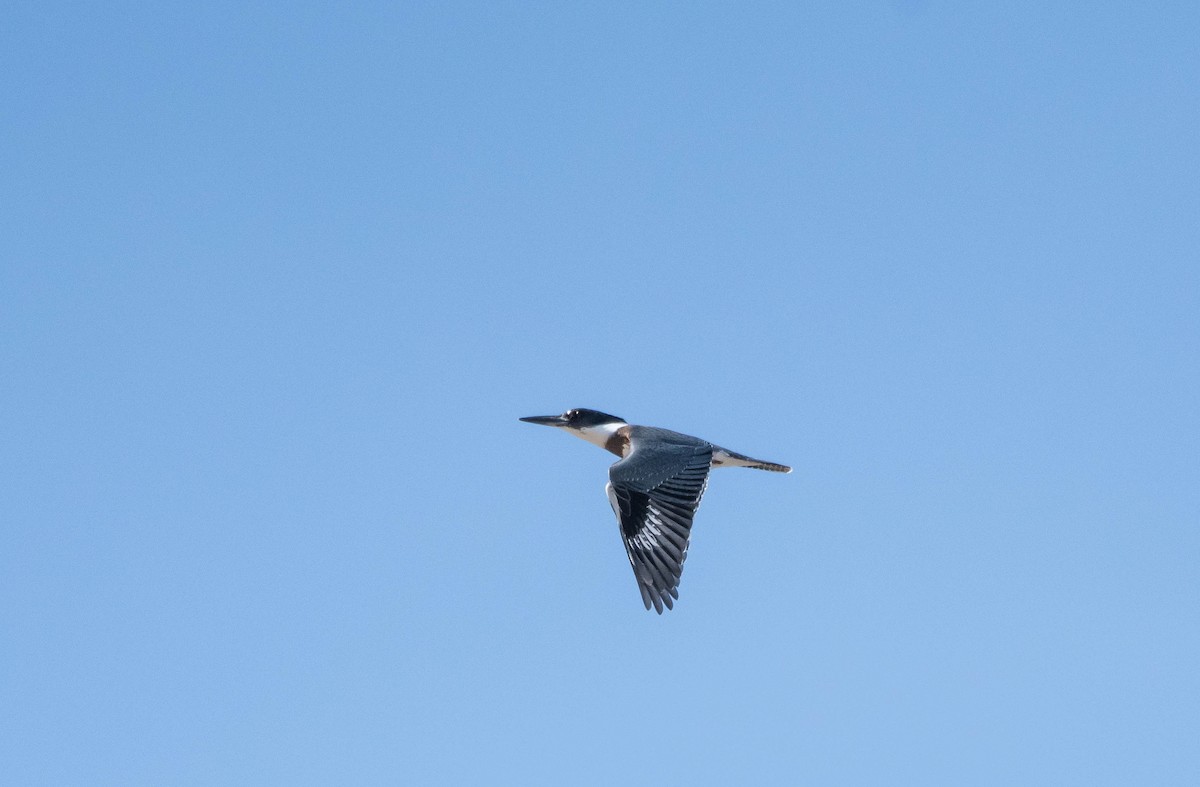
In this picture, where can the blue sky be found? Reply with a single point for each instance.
(277, 281)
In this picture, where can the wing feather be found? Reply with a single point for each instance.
(655, 491)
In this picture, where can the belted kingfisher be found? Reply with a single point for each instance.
(654, 490)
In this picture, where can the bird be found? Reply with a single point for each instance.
(654, 489)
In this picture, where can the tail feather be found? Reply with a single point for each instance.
(723, 457)
(774, 468)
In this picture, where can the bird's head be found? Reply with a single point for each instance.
(592, 425)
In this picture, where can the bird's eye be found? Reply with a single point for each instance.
(572, 413)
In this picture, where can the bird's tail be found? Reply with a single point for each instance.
(723, 457)
(772, 466)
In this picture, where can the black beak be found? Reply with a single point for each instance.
(545, 420)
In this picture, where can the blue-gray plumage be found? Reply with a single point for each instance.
(654, 490)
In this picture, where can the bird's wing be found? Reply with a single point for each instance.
(654, 492)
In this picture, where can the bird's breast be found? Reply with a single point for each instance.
(618, 442)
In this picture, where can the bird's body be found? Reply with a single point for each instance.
(654, 489)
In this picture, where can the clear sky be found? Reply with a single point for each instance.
(277, 280)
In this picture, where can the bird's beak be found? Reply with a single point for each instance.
(545, 420)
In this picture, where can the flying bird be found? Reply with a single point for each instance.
(654, 490)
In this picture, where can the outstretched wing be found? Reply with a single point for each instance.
(655, 492)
